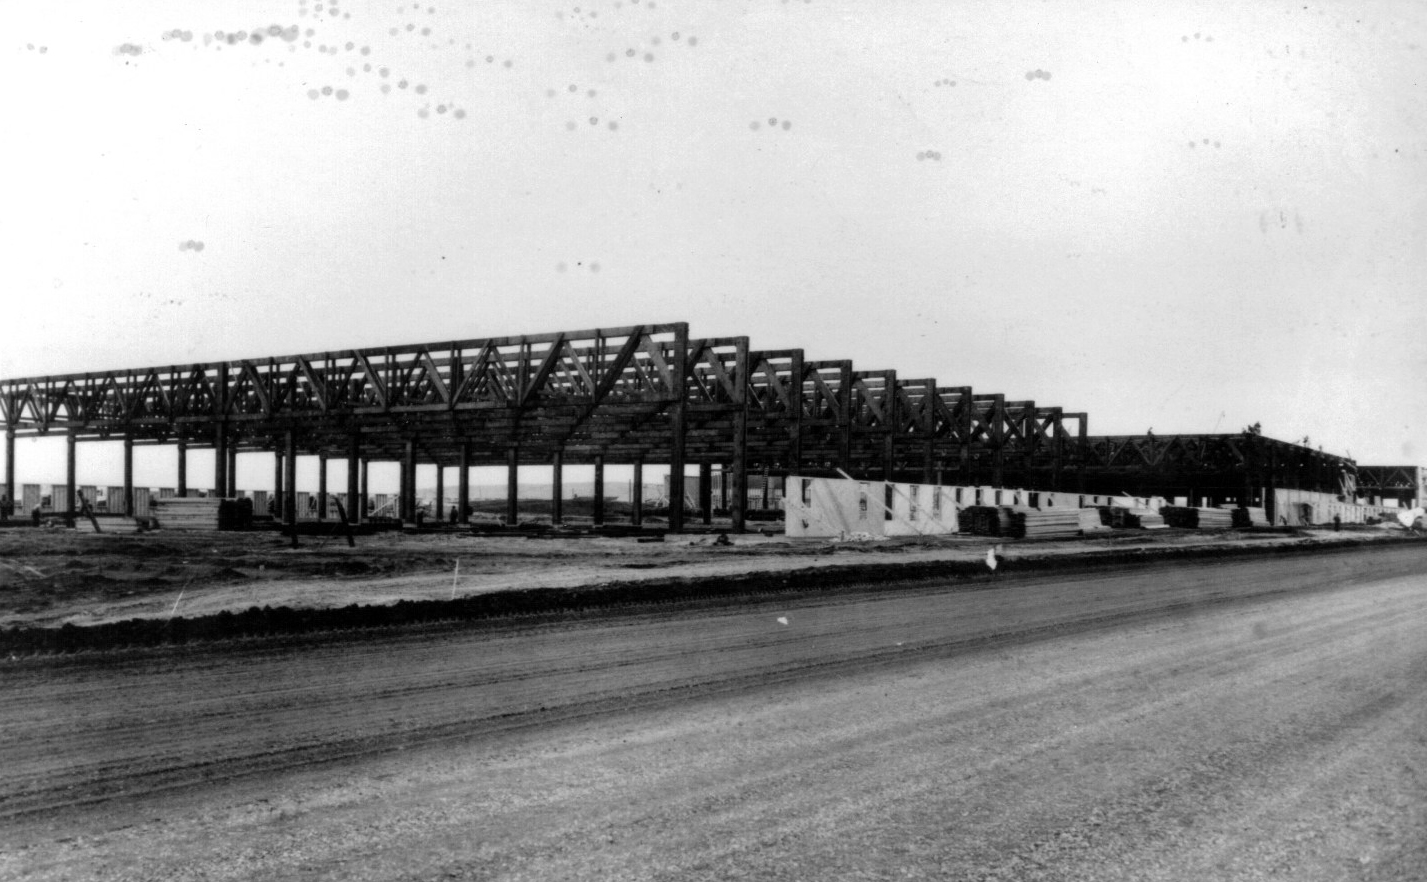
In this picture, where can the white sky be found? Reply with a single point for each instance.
(1206, 215)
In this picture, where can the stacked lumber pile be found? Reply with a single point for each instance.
(1033, 523)
(985, 520)
(1249, 516)
(210, 513)
(1215, 518)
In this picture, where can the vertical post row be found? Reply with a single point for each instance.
(321, 486)
(232, 470)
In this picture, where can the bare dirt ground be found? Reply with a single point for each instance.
(1260, 718)
(50, 578)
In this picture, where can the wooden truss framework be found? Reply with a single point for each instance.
(646, 393)
(1244, 465)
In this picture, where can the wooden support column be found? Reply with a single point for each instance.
(182, 469)
(723, 476)
(71, 442)
(321, 486)
(440, 492)
(220, 459)
(366, 486)
(463, 484)
(557, 488)
(9, 471)
(289, 481)
(930, 470)
(844, 415)
(356, 512)
(128, 507)
(278, 508)
(232, 470)
(512, 485)
(599, 490)
(1083, 453)
(706, 492)
(737, 501)
(767, 482)
(677, 413)
(407, 502)
(636, 494)
(795, 413)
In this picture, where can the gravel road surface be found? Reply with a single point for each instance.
(1255, 718)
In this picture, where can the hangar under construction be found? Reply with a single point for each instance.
(647, 394)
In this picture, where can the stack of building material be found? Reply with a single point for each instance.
(1249, 516)
(1033, 523)
(207, 513)
(985, 520)
(1180, 516)
(1214, 518)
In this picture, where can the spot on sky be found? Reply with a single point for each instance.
(459, 113)
(129, 49)
(944, 82)
(755, 125)
(934, 155)
(1037, 74)
(341, 94)
(190, 245)
(613, 126)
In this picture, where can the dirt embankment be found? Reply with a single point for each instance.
(63, 591)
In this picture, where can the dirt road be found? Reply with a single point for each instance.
(1237, 720)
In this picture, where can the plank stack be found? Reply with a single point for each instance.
(1214, 518)
(209, 513)
(985, 520)
(1033, 523)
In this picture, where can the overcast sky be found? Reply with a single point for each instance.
(1182, 216)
